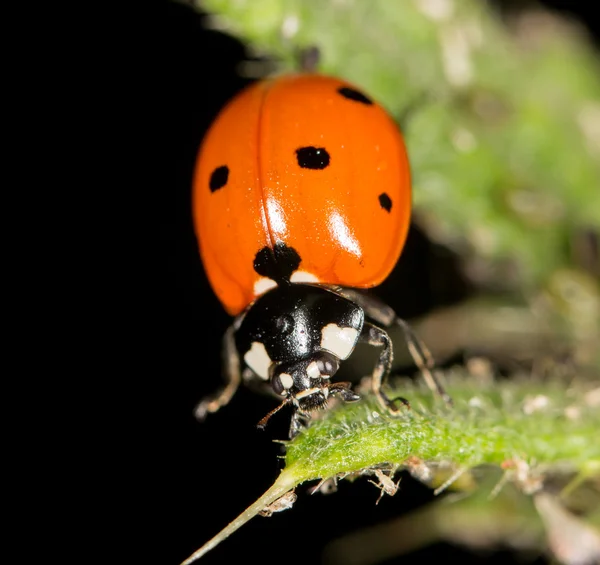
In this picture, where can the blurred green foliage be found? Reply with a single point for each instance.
(502, 121)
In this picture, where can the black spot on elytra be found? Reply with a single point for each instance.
(356, 95)
(385, 201)
(218, 178)
(312, 157)
(277, 263)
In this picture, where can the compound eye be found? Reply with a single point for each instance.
(284, 324)
(282, 383)
(328, 365)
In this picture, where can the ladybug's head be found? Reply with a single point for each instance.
(306, 383)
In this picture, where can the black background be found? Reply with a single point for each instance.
(188, 480)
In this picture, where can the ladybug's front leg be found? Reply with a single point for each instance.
(377, 337)
(299, 422)
(384, 315)
(231, 364)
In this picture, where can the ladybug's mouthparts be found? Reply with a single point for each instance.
(314, 390)
(314, 398)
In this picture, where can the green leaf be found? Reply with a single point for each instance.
(528, 430)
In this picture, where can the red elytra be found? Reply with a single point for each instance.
(308, 161)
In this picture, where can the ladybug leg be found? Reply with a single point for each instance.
(384, 315)
(299, 422)
(423, 359)
(231, 362)
(374, 335)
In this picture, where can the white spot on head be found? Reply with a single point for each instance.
(262, 285)
(340, 341)
(340, 232)
(258, 360)
(286, 380)
(313, 370)
(303, 277)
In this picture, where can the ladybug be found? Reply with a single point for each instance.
(302, 197)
